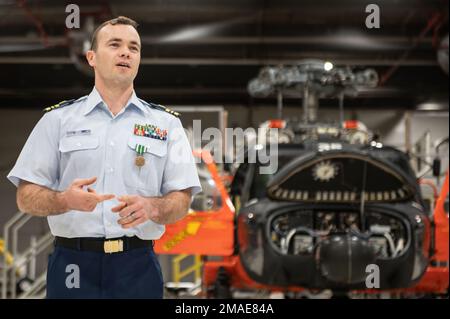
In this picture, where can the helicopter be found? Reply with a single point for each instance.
(343, 214)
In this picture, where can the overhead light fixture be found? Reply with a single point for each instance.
(196, 32)
(328, 66)
(190, 34)
(432, 106)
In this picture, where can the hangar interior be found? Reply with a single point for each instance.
(198, 58)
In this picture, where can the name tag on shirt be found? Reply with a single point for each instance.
(78, 133)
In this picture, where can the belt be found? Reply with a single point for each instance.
(112, 245)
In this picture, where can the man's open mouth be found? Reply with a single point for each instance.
(123, 64)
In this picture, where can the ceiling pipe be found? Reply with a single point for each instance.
(36, 21)
(432, 22)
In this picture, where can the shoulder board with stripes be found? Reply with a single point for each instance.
(161, 108)
(60, 105)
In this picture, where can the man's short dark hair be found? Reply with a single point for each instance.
(119, 20)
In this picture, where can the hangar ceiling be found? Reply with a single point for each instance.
(201, 52)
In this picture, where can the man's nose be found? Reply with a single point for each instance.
(125, 53)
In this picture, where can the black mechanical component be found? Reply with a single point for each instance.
(339, 200)
(222, 285)
(324, 246)
(299, 232)
(354, 254)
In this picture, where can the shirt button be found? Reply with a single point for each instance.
(111, 143)
(78, 144)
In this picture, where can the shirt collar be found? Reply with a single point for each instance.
(94, 99)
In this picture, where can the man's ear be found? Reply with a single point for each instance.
(90, 57)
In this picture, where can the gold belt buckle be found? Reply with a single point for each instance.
(113, 246)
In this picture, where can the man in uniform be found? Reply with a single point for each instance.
(108, 170)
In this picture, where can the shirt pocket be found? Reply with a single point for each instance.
(79, 155)
(148, 177)
(78, 143)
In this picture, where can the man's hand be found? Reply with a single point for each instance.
(76, 198)
(135, 210)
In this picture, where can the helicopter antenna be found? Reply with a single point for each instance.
(279, 104)
(363, 199)
(341, 108)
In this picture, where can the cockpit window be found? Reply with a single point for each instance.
(209, 199)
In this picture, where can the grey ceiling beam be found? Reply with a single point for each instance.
(228, 61)
(396, 41)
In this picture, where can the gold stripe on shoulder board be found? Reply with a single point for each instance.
(58, 105)
(174, 113)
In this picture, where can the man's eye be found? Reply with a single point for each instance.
(135, 49)
(114, 44)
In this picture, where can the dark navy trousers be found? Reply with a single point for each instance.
(86, 274)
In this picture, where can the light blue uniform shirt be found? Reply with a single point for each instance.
(84, 139)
